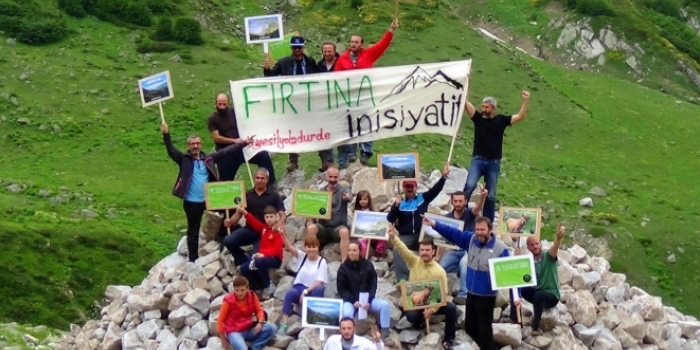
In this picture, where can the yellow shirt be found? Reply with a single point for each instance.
(419, 269)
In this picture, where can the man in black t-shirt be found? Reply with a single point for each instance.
(489, 128)
(224, 132)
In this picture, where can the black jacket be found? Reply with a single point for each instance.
(285, 66)
(186, 163)
(321, 68)
(407, 216)
(355, 277)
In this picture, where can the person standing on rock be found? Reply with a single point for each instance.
(335, 229)
(357, 275)
(481, 245)
(546, 294)
(359, 57)
(406, 213)
(455, 261)
(224, 131)
(421, 267)
(235, 324)
(327, 64)
(298, 63)
(348, 340)
(489, 129)
(310, 280)
(196, 169)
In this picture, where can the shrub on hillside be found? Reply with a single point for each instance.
(159, 7)
(164, 29)
(593, 8)
(29, 24)
(355, 4)
(72, 8)
(116, 11)
(667, 7)
(678, 33)
(149, 46)
(188, 31)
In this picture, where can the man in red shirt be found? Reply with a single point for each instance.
(359, 57)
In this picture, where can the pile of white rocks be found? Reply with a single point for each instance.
(177, 305)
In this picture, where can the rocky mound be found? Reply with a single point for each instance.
(177, 304)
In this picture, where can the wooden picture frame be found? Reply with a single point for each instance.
(367, 221)
(156, 88)
(411, 290)
(520, 222)
(437, 239)
(398, 166)
(312, 204)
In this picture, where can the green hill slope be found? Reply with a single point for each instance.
(85, 193)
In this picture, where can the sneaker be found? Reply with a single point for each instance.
(352, 159)
(388, 342)
(282, 330)
(293, 165)
(364, 158)
(251, 266)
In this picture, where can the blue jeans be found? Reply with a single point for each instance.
(345, 151)
(455, 261)
(257, 341)
(293, 294)
(239, 238)
(489, 169)
(377, 305)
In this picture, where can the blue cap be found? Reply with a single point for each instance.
(297, 41)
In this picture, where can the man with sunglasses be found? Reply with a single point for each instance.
(359, 57)
(298, 63)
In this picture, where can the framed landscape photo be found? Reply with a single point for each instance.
(264, 29)
(224, 195)
(370, 224)
(321, 312)
(402, 166)
(513, 272)
(423, 293)
(439, 240)
(312, 204)
(156, 88)
(519, 222)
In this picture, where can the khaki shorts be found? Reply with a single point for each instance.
(327, 234)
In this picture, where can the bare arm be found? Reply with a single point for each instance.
(289, 246)
(469, 108)
(482, 199)
(516, 118)
(224, 140)
(554, 250)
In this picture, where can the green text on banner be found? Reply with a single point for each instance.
(225, 195)
(513, 272)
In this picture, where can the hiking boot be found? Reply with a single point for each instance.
(385, 337)
(364, 158)
(352, 159)
(293, 165)
(282, 330)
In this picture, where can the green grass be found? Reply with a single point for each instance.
(11, 334)
(634, 142)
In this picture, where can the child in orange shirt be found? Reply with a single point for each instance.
(235, 324)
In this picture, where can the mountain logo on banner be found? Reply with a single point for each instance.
(420, 78)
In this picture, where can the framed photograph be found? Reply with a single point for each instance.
(321, 312)
(312, 204)
(423, 293)
(402, 166)
(513, 272)
(156, 88)
(518, 222)
(264, 29)
(439, 240)
(224, 195)
(370, 224)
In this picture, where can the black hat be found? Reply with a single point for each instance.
(297, 41)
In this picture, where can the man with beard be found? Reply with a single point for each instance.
(347, 340)
(295, 64)
(196, 169)
(335, 229)
(481, 245)
(546, 294)
(359, 57)
(224, 131)
(330, 57)
(489, 129)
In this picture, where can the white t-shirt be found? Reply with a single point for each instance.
(311, 271)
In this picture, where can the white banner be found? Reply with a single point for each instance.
(297, 114)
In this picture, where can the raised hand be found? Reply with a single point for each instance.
(526, 95)
(250, 139)
(427, 221)
(446, 170)
(164, 128)
(560, 231)
(394, 24)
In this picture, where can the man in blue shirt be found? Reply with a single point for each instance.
(481, 245)
(196, 169)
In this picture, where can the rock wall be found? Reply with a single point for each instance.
(177, 304)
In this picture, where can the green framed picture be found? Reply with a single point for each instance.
(312, 204)
(225, 195)
(513, 272)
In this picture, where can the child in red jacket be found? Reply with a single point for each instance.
(235, 324)
(270, 250)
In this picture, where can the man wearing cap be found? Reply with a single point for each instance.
(295, 64)
(406, 213)
(359, 57)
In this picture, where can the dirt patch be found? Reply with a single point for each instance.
(526, 43)
(595, 246)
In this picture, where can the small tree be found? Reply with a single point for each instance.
(72, 8)
(188, 31)
(164, 29)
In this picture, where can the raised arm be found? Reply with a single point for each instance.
(434, 191)
(231, 149)
(516, 118)
(289, 246)
(173, 152)
(377, 50)
(469, 108)
(554, 250)
(482, 199)
(459, 238)
(393, 214)
(407, 255)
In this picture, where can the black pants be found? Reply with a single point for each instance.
(228, 166)
(416, 318)
(540, 299)
(239, 238)
(260, 277)
(479, 320)
(193, 212)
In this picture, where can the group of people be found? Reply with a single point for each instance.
(242, 318)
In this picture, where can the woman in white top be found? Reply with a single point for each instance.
(312, 274)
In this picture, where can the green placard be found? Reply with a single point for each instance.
(312, 204)
(513, 272)
(225, 195)
(280, 49)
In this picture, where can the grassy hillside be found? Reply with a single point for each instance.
(85, 194)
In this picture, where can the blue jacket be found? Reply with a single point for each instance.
(478, 278)
(407, 215)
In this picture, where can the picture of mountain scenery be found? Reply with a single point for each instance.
(155, 88)
(323, 313)
(368, 223)
(439, 240)
(263, 28)
(420, 78)
(423, 293)
(398, 166)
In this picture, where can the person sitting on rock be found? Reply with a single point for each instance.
(421, 267)
(196, 169)
(347, 339)
(546, 294)
(312, 274)
(335, 229)
(236, 325)
(406, 213)
(270, 251)
(363, 202)
(357, 275)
